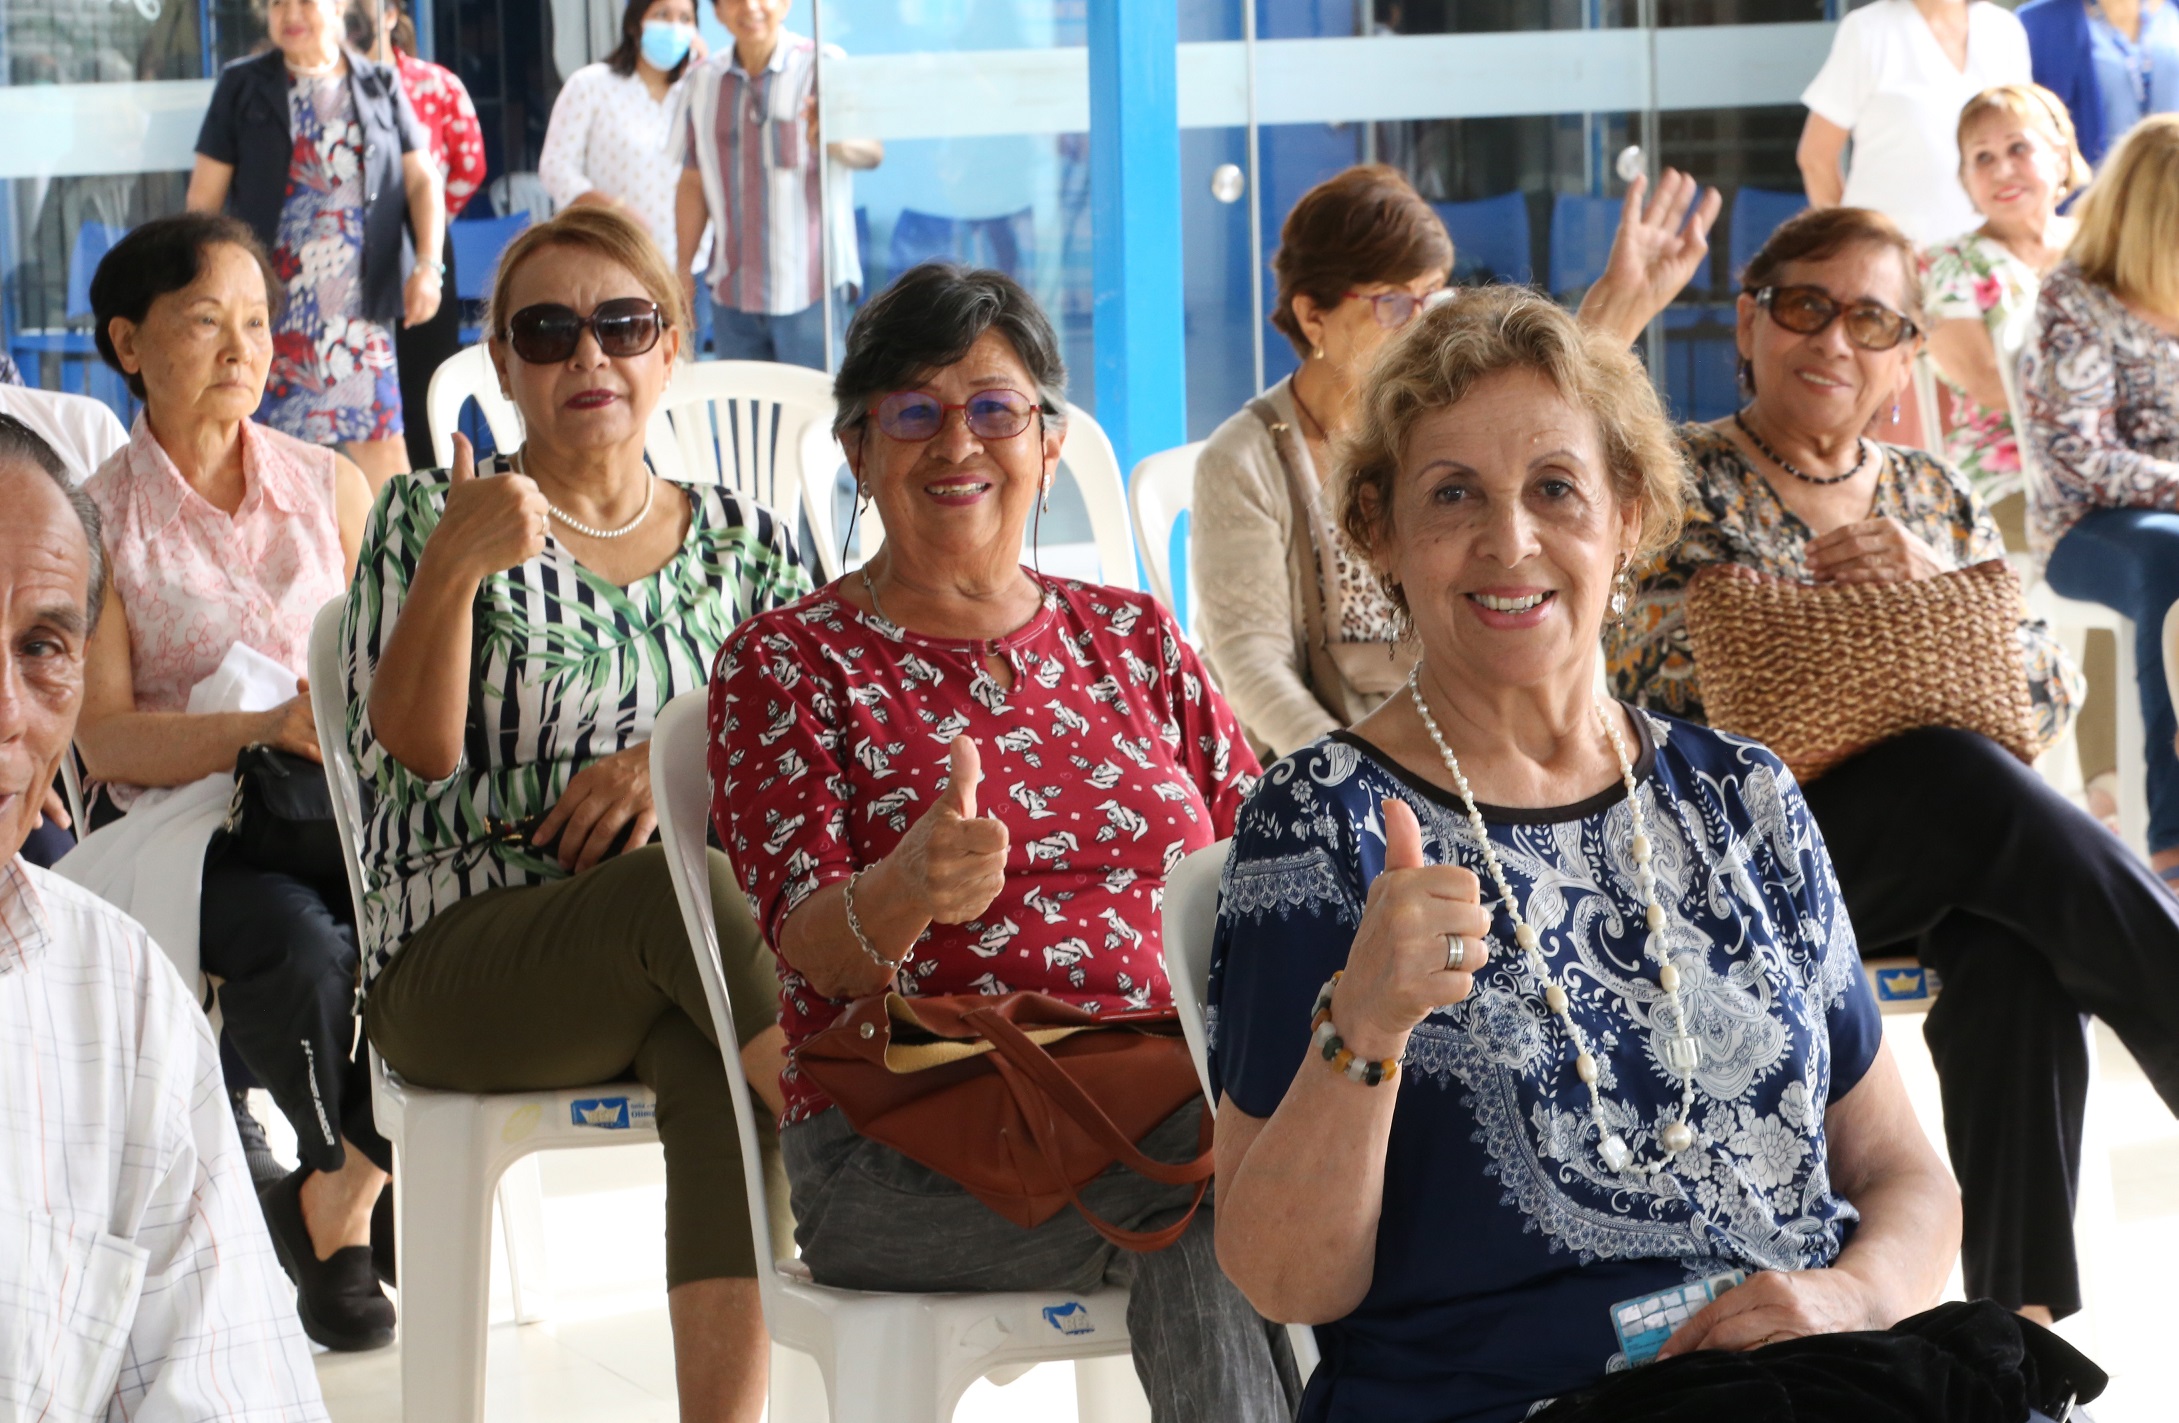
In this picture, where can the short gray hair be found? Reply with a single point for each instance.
(927, 320)
(20, 443)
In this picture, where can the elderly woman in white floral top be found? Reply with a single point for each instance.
(2019, 162)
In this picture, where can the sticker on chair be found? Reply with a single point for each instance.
(1905, 985)
(1070, 1318)
(610, 1113)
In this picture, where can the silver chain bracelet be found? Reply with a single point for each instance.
(854, 925)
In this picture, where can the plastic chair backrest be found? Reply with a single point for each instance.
(1160, 492)
(742, 424)
(1191, 918)
(93, 241)
(478, 241)
(464, 376)
(329, 706)
(681, 791)
(1490, 238)
(1582, 227)
(1757, 212)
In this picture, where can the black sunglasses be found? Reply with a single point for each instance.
(548, 333)
(1871, 325)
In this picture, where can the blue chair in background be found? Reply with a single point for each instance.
(1490, 239)
(1757, 213)
(477, 244)
(1582, 228)
(1006, 242)
(80, 369)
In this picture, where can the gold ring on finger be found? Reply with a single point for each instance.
(1456, 953)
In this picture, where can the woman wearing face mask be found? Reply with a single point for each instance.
(2019, 162)
(1294, 626)
(608, 139)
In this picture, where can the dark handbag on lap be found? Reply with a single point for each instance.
(1021, 1098)
(281, 817)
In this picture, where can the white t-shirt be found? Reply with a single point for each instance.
(82, 431)
(1890, 84)
(608, 133)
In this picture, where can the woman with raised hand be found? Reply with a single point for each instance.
(2032, 913)
(1500, 1054)
(1296, 629)
(511, 636)
(317, 149)
(222, 534)
(949, 772)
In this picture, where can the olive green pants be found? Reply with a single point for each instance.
(587, 980)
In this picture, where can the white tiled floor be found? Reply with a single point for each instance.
(605, 1355)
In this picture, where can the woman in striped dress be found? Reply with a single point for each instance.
(510, 638)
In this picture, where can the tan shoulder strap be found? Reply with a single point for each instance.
(1325, 680)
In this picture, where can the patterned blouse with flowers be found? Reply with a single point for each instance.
(2101, 387)
(570, 669)
(1109, 758)
(457, 137)
(196, 580)
(1977, 278)
(1736, 517)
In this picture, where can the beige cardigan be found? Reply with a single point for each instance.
(1248, 611)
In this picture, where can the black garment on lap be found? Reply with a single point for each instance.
(1970, 1362)
(1948, 848)
(287, 950)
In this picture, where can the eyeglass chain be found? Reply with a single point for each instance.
(1681, 1051)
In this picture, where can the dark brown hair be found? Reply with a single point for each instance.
(1365, 225)
(1818, 233)
(165, 255)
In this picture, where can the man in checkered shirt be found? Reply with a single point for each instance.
(136, 1278)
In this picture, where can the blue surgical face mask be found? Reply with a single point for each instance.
(666, 44)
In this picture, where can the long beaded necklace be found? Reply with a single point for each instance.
(1681, 1052)
(1862, 444)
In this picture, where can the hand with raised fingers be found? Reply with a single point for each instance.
(1400, 967)
(951, 862)
(1660, 244)
(489, 524)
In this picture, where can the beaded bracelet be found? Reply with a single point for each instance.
(1324, 1037)
(854, 925)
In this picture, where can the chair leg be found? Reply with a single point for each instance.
(2133, 761)
(1106, 1390)
(893, 1374)
(522, 1220)
(444, 1215)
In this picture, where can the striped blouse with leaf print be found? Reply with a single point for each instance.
(573, 669)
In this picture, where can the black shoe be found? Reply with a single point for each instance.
(382, 1236)
(339, 1300)
(265, 1168)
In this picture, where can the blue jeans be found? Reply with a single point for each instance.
(2128, 560)
(796, 340)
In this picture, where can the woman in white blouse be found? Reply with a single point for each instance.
(610, 139)
(1899, 73)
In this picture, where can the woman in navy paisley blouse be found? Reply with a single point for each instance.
(1614, 1114)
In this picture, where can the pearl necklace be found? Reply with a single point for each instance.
(650, 493)
(1682, 1052)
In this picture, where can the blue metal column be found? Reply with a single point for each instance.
(1135, 213)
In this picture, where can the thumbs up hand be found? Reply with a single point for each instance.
(488, 524)
(1397, 970)
(952, 863)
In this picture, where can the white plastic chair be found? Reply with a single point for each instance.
(1161, 489)
(886, 1358)
(468, 375)
(452, 1149)
(1087, 454)
(1190, 922)
(2073, 619)
(743, 424)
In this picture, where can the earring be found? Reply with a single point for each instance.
(1621, 589)
(1895, 412)
(1046, 506)
(1745, 374)
(1316, 353)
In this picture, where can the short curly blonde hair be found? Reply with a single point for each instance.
(1439, 358)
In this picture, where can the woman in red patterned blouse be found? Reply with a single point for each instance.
(992, 771)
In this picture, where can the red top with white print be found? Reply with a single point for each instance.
(1109, 758)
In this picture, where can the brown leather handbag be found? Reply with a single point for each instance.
(1021, 1098)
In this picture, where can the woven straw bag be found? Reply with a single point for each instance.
(1821, 673)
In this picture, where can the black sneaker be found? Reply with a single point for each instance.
(338, 1298)
(382, 1253)
(265, 1168)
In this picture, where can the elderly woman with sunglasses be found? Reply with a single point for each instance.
(1946, 846)
(1302, 639)
(952, 774)
(511, 635)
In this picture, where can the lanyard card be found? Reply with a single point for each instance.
(1645, 1322)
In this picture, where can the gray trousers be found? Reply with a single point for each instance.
(868, 1218)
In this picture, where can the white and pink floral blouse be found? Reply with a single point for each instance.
(195, 581)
